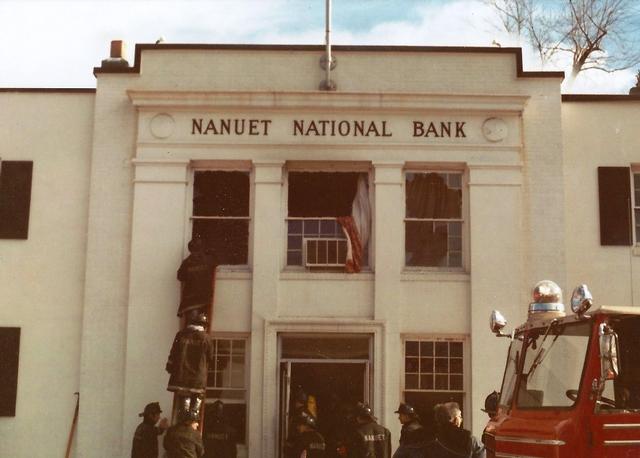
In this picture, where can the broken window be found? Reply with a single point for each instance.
(329, 220)
(221, 214)
(433, 219)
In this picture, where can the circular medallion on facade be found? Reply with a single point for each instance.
(494, 129)
(162, 125)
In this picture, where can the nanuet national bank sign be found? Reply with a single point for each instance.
(281, 128)
(326, 127)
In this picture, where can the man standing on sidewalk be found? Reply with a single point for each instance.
(145, 439)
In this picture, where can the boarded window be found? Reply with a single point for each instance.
(9, 352)
(15, 198)
(614, 192)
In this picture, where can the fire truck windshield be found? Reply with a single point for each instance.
(553, 362)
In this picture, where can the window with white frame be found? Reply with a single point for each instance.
(221, 214)
(433, 373)
(227, 382)
(433, 219)
(636, 204)
(328, 220)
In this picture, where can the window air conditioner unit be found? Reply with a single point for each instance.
(324, 252)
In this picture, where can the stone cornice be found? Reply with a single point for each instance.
(187, 100)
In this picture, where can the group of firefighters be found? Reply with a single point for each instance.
(360, 435)
(183, 440)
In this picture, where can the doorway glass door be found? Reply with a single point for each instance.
(333, 372)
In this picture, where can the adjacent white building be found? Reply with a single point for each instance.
(468, 180)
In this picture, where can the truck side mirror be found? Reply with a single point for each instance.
(581, 300)
(497, 322)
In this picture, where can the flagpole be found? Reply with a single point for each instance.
(328, 61)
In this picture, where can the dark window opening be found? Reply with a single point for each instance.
(321, 193)
(15, 199)
(221, 214)
(9, 359)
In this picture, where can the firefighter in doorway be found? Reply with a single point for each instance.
(219, 437)
(308, 443)
(300, 399)
(371, 440)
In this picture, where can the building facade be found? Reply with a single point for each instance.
(363, 235)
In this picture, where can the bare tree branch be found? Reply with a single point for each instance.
(599, 34)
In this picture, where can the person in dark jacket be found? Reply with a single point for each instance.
(219, 437)
(196, 275)
(452, 441)
(183, 439)
(145, 439)
(308, 443)
(412, 436)
(371, 440)
(188, 364)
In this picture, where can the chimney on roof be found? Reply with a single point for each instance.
(116, 58)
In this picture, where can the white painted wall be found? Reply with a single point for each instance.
(41, 278)
(598, 134)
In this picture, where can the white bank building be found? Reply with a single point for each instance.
(363, 234)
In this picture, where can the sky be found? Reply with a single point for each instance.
(53, 43)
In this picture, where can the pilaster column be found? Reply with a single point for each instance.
(389, 262)
(496, 264)
(157, 240)
(267, 252)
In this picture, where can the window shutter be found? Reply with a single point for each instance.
(614, 192)
(9, 352)
(15, 199)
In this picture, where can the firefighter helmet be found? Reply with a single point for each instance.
(305, 418)
(363, 410)
(406, 409)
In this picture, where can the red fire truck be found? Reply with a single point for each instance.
(571, 385)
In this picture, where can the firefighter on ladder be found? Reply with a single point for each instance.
(188, 364)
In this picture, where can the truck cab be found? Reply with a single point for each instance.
(571, 385)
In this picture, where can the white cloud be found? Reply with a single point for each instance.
(57, 43)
